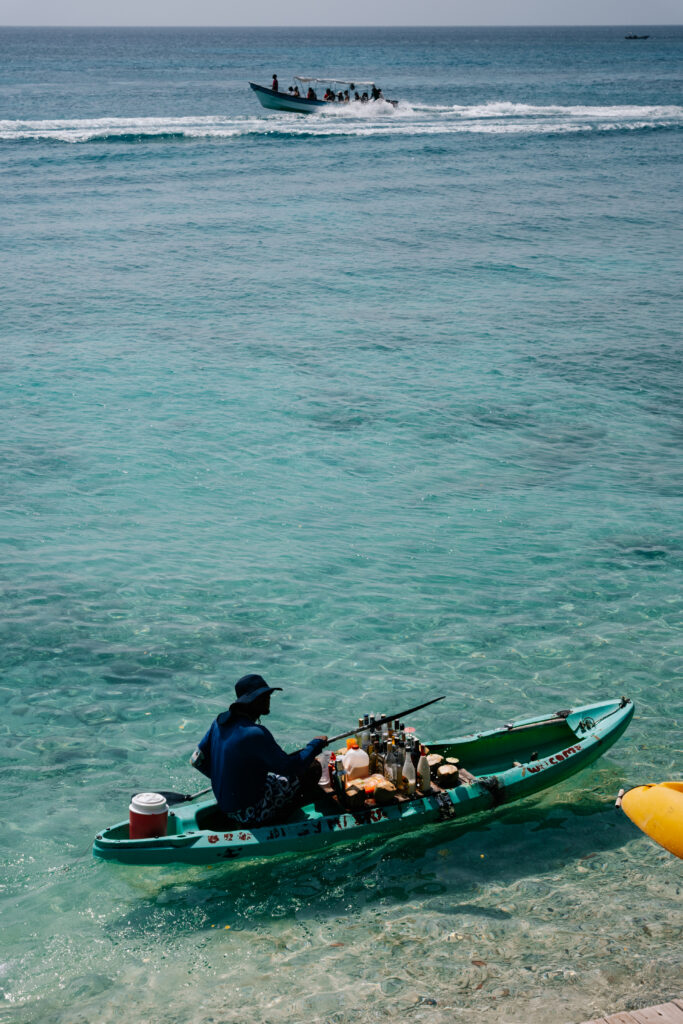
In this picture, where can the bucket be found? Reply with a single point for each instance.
(147, 816)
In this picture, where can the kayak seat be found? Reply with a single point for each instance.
(213, 819)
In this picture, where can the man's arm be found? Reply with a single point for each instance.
(201, 759)
(276, 760)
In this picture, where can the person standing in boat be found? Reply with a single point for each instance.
(276, 85)
(253, 779)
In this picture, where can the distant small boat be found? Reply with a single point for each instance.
(632, 36)
(274, 99)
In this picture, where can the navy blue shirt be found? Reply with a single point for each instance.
(237, 754)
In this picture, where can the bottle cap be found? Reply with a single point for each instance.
(352, 743)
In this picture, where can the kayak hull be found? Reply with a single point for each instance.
(505, 765)
(657, 809)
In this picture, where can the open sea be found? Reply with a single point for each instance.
(382, 405)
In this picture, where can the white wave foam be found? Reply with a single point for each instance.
(360, 120)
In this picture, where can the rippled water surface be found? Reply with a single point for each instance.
(381, 404)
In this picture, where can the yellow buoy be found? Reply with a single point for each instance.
(657, 809)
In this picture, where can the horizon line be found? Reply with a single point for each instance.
(649, 24)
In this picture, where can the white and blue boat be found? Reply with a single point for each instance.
(273, 100)
(300, 104)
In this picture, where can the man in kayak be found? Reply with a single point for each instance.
(253, 779)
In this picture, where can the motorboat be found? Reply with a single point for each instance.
(302, 98)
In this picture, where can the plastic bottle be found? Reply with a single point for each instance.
(409, 775)
(424, 780)
(325, 765)
(356, 761)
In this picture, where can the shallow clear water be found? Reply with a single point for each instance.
(381, 405)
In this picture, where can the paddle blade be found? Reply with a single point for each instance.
(658, 811)
(172, 797)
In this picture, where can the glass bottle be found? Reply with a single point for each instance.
(394, 766)
(341, 777)
(364, 738)
(409, 775)
(372, 745)
(381, 756)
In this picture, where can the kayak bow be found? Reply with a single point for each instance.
(657, 810)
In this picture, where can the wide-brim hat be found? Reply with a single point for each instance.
(250, 688)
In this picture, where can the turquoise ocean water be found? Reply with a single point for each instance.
(382, 405)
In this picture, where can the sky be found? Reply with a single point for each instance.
(349, 12)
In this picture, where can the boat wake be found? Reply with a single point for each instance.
(356, 119)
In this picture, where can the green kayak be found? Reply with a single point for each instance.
(499, 767)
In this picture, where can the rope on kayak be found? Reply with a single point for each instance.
(494, 786)
(446, 807)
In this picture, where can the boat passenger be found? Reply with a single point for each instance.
(375, 93)
(340, 96)
(347, 98)
(310, 95)
(276, 85)
(356, 97)
(253, 779)
(364, 98)
(296, 91)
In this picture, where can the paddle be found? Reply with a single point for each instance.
(387, 718)
(177, 798)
